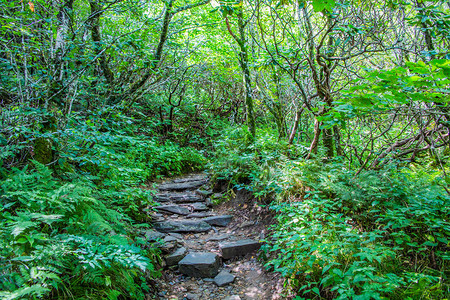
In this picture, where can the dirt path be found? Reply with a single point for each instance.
(210, 251)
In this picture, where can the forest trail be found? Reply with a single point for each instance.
(210, 250)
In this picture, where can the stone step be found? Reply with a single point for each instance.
(202, 214)
(200, 264)
(176, 256)
(224, 278)
(222, 221)
(238, 248)
(191, 178)
(178, 197)
(174, 209)
(203, 193)
(190, 185)
(182, 226)
(197, 206)
(152, 235)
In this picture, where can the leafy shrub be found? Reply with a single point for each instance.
(374, 236)
(70, 229)
(240, 160)
(58, 238)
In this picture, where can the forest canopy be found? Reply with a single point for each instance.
(335, 114)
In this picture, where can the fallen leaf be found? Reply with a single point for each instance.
(31, 5)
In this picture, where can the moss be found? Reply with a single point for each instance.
(43, 152)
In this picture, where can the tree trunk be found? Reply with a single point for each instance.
(295, 126)
(245, 69)
(96, 12)
(44, 151)
(328, 141)
(315, 141)
(337, 140)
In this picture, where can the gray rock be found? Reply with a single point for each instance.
(176, 256)
(191, 178)
(174, 209)
(218, 195)
(170, 239)
(224, 278)
(232, 297)
(152, 235)
(238, 248)
(198, 206)
(218, 220)
(176, 235)
(156, 215)
(182, 186)
(208, 202)
(199, 215)
(178, 197)
(182, 226)
(203, 193)
(218, 237)
(191, 296)
(200, 264)
(168, 247)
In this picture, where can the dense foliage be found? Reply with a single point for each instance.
(379, 234)
(335, 114)
(71, 229)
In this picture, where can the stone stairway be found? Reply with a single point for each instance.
(198, 245)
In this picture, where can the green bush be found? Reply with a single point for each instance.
(379, 235)
(70, 229)
(342, 235)
(59, 239)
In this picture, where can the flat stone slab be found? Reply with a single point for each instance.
(232, 297)
(170, 239)
(224, 278)
(174, 209)
(176, 235)
(198, 206)
(191, 178)
(190, 185)
(238, 248)
(182, 226)
(203, 193)
(178, 197)
(199, 215)
(152, 235)
(222, 221)
(200, 264)
(176, 256)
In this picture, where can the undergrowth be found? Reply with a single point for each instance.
(72, 229)
(341, 235)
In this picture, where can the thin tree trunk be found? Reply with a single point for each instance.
(96, 12)
(245, 69)
(315, 141)
(243, 62)
(295, 126)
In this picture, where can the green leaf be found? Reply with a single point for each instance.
(321, 5)
(316, 290)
